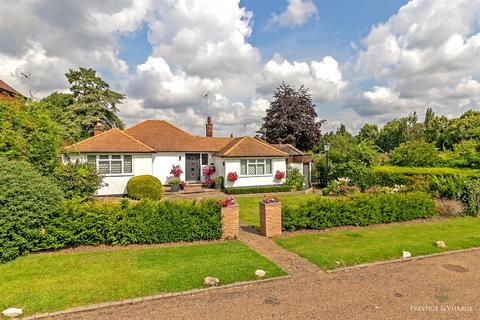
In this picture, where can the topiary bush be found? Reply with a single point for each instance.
(357, 210)
(78, 179)
(127, 222)
(28, 200)
(145, 187)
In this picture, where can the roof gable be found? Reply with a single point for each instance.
(111, 141)
(5, 87)
(249, 147)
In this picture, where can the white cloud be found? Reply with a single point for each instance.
(298, 12)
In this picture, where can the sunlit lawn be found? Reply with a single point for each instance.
(249, 206)
(55, 281)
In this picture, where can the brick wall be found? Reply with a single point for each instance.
(230, 222)
(270, 219)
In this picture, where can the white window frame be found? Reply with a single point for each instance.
(122, 157)
(258, 161)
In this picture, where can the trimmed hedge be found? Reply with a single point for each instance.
(127, 222)
(28, 200)
(358, 209)
(434, 171)
(246, 190)
(145, 187)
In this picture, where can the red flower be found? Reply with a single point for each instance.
(176, 171)
(229, 201)
(207, 171)
(269, 199)
(279, 175)
(232, 176)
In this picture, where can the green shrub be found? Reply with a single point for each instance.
(262, 189)
(357, 210)
(78, 180)
(415, 154)
(427, 171)
(295, 179)
(449, 187)
(146, 221)
(145, 187)
(27, 201)
(471, 196)
(360, 175)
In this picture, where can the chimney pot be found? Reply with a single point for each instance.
(209, 127)
(98, 128)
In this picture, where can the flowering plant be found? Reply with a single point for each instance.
(208, 171)
(176, 171)
(182, 185)
(279, 175)
(207, 183)
(232, 176)
(229, 201)
(269, 199)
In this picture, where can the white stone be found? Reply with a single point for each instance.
(260, 273)
(210, 281)
(12, 312)
(406, 254)
(441, 244)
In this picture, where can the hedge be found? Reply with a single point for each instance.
(28, 200)
(358, 209)
(425, 171)
(127, 222)
(246, 190)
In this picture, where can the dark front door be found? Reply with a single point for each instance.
(306, 174)
(192, 167)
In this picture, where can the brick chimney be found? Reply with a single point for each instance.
(209, 127)
(98, 128)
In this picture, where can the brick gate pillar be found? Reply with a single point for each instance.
(230, 222)
(270, 219)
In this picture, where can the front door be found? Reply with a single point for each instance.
(192, 167)
(306, 174)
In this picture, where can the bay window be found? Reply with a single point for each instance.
(255, 167)
(114, 164)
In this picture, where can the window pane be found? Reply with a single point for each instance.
(204, 159)
(251, 161)
(127, 164)
(116, 157)
(104, 157)
(260, 169)
(268, 166)
(243, 167)
(92, 159)
(251, 170)
(104, 167)
(116, 167)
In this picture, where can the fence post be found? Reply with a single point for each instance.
(230, 221)
(270, 219)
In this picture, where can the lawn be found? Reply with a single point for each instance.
(55, 281)
(249, 206)
(330, 250)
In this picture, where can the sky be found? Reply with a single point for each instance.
(363, 60)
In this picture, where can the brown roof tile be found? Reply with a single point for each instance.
(288, 148)
(113, 140)
(4, 86)
(249, 147)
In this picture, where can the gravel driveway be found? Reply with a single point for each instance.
(441, 287)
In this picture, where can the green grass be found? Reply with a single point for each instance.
(414, 171)
(55, 281)
(249, 206)
(369, 244)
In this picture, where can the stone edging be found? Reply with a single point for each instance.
(124, 302)
(379, 263)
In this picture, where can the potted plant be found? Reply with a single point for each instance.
(182, 185)
(174, 185)
(232, 176)
(279, 175)
(176, 171)
(218, 182)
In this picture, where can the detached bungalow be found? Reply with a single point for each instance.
(152, 147)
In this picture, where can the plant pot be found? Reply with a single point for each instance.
(218, 186)
(174, 187)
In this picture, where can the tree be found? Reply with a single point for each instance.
(59, 106)
(292, 118)
(435, 128)
(93, 101)
(467, 127)
(414, 154)
(399, 131)
(369, 132)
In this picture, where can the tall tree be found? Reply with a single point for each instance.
(292, 118)
(93, 101)
(398, 131)
(369, 132)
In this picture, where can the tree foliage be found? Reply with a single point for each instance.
(292, 118)
(416, 153)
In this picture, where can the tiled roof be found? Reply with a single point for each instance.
(4, 86)
(249, 147)
(288, 148)
(113, 140)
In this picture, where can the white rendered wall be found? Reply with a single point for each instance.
(162, 164)
(233, 165)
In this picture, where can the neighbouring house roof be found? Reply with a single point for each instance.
(161, 136)
(249, 147)
(113, 140)
(288, 148)
(6, 89)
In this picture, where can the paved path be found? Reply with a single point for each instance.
(291, 263)
(420, 289)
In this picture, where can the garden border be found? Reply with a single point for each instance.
(124, 302)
